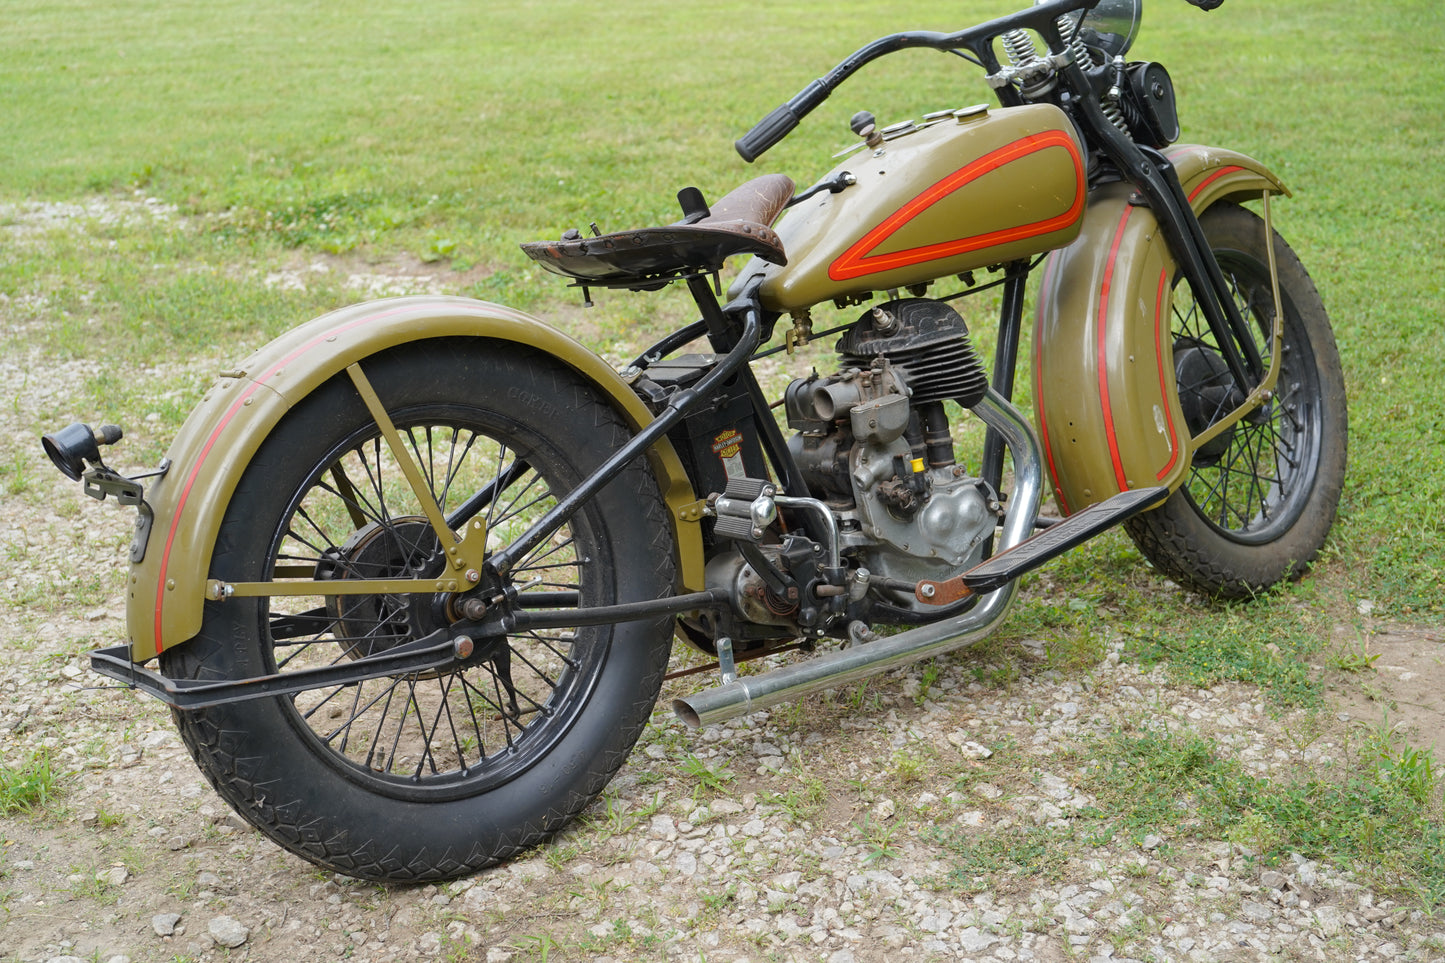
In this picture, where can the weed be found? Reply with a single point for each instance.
(996, 859)
(878, 841)
(539, 946)
(16, 474)
(16, 549)
(927, 679)
(1256, 833)
(709, 780)
(108, 820)
(1409, 770)
(438, 249)
(1354, 658)
(715, 902)
(803, 800)
(908, 767)
(88, 885)
(1131, 927)
(28, 786)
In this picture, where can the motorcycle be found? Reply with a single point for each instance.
(410, 574)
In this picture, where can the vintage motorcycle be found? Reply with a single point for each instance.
(412, 571)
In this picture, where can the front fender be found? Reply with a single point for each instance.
(1104, 392)
(216, 443)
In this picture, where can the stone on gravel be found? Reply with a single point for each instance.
(228, 932)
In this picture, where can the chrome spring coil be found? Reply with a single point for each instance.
(1110, 106)
(1020, 48)
(1069, 30)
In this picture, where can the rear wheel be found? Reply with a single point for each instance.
(430, 775)
(1261, 497)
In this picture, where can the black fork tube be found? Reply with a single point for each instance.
(1005, 361)
(1158, 184)
(1203, 273)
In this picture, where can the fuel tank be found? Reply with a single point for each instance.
(963, 190)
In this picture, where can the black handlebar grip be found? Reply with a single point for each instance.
(781, 122)
(766, 133)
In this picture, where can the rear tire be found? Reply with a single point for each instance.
(435, 775)
(1260, 499)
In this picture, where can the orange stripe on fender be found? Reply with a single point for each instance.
(1102, 324)
(1211, 179)
(1160, 328)
(859, 259)
(220, 427)
(1108, 411)
(1049, 268)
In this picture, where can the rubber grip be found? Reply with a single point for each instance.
(780, 122)
(766, 133)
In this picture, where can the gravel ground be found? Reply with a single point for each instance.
(802, 833)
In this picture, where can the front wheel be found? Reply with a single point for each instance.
(1260, 498)
(426, 776)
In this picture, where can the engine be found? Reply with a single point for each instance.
(873, 441)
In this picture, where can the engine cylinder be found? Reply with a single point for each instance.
(928, 342)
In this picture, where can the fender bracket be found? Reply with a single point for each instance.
(1104, 393)
(167, 588)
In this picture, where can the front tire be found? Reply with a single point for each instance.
(1259, 499)
(434, 775)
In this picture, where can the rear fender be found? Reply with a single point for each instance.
(167, 588)
(1104, 390)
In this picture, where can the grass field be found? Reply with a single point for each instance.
(451, 131)
(438, 136)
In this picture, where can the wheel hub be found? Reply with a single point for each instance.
(368, 624)
(1207, 392)
(405, 548)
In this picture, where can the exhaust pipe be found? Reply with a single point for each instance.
(843, 666)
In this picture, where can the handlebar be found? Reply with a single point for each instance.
(781, 121)
(778, 124)
(1042, 18)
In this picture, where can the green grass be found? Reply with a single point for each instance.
(448, 132)
(440, 135)
(1380, 814)
(27, 786)
(1382, 817)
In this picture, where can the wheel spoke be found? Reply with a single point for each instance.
(334, 509)
(1251, 481)
(468, 723)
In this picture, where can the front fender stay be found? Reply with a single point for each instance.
(1104, 394)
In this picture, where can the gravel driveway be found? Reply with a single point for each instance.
(835, 831)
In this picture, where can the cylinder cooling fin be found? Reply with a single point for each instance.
(927, 342)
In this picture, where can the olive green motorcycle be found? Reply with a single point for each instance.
(409, 575)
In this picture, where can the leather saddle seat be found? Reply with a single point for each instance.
(738, 223)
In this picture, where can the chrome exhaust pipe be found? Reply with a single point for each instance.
(843, 666)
